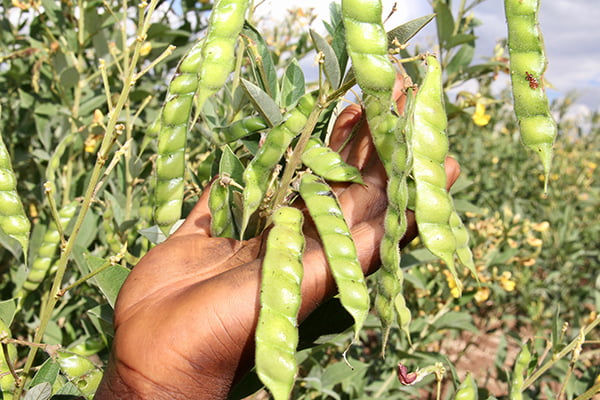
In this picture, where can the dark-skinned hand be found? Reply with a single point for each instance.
(186, 315)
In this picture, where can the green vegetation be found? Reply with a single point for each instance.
(83, 84)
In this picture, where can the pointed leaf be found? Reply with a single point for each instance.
(263, 103)
(292, 85)
(444, 21)
(331, 65)
(7, 311)
(406, 31)
(43, 391)
(267, 74)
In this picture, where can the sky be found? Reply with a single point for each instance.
(570, 29)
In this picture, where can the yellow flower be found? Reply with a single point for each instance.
(540, 227)
(452, 285)
(90, 143)
(482, 294)
(529, 262)
(145, 49)
(507, 283)
(534, 242)
(480, 118)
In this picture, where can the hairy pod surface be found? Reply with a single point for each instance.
(527, 66)
(13, 220)
(339, 247)
(280, 298)
(200, 74)
(433, 204)
(328, 164)
(256, 175)
(47, 251)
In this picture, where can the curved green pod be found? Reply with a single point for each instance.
(13, 220)
(433, 204)
(519, 371)
(258, 172)
(527, 66)
(367, 45)
(201, 73)
(47, 251)
(461, 236)
(280, 299)
(238, 130)
(328, 164)
(339, 247)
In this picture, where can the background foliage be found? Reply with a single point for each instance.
(537, 255)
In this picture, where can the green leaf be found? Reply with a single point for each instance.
(110, 281)
(11, 244)
(444, 22)
(47, 373)
(69, 77)
(338, 34)
(155, 235)
(263, 103)
(264, 69)
(292, 85)
(460, 321)
(7, 310)
(460, 61)
(331, 65)
(43, 391)
(231, 165)
(406, 31)
(462, 38)
(102, 318)
(340, 371)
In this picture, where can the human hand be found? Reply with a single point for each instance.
(186, 315)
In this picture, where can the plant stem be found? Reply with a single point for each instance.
(545, 367)
(294, 161)
(107, 142)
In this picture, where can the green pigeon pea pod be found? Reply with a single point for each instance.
(339, 247)
(367, 45)
(256, 175)
(238, 130)
(80, 371)
(429, 144)
(280, 299)
(461, 235)
(518, 375)
(7, 381)
(390, 302)
(328, 164)
(467, 389)
(221, 218)
(200, 74)
(527, 66)
(47, 251)
(13, 220)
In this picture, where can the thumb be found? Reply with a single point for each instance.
(198, 221)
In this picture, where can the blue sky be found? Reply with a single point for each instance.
(570, 27)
